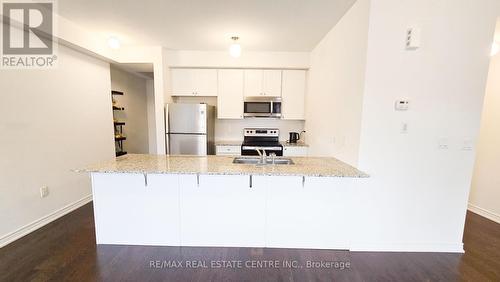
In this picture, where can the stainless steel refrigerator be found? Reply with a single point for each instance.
(189, 129)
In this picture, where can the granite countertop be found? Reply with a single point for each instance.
(222, 165)
(298, 144)
(228, 143)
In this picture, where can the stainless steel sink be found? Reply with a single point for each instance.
(256, 161)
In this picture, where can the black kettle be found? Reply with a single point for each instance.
(294, 137)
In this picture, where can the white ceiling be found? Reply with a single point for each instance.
(262, 25)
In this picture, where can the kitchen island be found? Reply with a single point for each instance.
(210, 201)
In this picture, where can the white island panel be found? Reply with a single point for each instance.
(222, 210)
(132, 210)
(308, 212)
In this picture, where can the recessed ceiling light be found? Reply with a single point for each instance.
(235, 48)
(113, 42)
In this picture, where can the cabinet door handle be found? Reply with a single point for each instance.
(251, 181)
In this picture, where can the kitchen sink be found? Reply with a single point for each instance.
(256, 161)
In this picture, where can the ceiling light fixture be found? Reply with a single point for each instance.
(113, 42)
(235, 48)
(494, 49)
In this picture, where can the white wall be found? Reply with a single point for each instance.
(77, 37)
(417, 195)
(485, 192)
(157, 57)
(51, 121)
(150, 103)
(135, 114)
(232, 130)
(335, 87)
(216, 59)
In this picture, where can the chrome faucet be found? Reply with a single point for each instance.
(262, 155)
(273, 158)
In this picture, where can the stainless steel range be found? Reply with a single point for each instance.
(259, 140)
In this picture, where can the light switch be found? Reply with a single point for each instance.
(468, 144)
(443, 143)
(413, 37)
(404, 128)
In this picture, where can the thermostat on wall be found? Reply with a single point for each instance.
(402, 105)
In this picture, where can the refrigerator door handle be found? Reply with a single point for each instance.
(167, 120)
(167, 126)
(167, 143)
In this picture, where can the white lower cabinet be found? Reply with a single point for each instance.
(295, 151)
(309, 214)
(222, 210)
(129, 212)
(228, 150)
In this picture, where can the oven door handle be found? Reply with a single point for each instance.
(260, 148)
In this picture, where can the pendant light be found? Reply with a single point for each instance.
(235, 48)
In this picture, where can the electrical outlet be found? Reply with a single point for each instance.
(44, 191)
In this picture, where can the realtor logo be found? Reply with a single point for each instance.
(27, 34)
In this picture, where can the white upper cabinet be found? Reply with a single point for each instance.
(253, 83)
(230, 98)
(260, 83)
(272, 83)
(182, 82)
(206, 82)
(293, 94)
(194, 82)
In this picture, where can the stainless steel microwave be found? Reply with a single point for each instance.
(262, 107)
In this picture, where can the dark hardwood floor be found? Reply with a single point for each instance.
(65, 250)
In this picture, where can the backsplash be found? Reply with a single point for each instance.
(232, 130)
(229, 130)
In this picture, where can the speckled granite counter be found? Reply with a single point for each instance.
(162, 164)
(298, 144)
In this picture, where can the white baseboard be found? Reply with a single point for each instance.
(409, 247)
(484, 213)
(25, 230)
